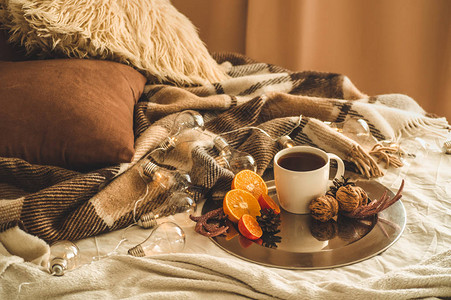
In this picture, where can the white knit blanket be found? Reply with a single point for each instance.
(200, 276)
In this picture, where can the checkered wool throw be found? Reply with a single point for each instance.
(55, 204)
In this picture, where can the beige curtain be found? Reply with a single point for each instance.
(384, 46)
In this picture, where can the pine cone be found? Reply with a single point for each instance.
(269, 221)
(349, 198)
(270, 239)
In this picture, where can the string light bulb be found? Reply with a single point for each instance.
(169, 180)
(167, 237)
(177, 203)
(359, 131)
(285, 141)
(64, 256)
(188, 119)
(233, 159)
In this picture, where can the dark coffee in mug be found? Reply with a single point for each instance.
(301, 174)
(301, 161)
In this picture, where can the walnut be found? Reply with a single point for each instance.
(349, 197)
(363, 196)
(323, 208)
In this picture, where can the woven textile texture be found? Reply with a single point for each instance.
(54, 203)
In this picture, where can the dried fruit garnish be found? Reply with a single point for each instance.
(266, 201)
(211, 224)
(375, 206)
(250, 181)
(353, 203)
(249, 227)
(239, 202)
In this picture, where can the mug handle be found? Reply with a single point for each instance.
(340, 166)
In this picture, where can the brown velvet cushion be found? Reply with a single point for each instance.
(73, 113)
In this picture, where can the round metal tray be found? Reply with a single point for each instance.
(310, 244)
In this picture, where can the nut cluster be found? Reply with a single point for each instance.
(352, 202)
(347, 199)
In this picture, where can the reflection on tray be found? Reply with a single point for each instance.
(268, 239)
(347, 229)
(302, 233)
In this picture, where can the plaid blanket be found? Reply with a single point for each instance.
(54, 204)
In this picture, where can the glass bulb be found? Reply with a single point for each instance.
(177, 203)
(167, 237)
(357, 127)
(233, 159)
(188, 119)
(338, 127)
(169, 180)
(285, 141)
(64, 256)
(359, 131)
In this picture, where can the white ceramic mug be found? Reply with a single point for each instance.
(296, 189)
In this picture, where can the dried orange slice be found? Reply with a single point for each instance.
(250, 181)
(249, 227)
(231, 232)
(239, 202)
(266, 201)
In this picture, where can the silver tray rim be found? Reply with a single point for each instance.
(352, 253)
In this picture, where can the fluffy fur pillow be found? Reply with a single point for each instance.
(150, 35)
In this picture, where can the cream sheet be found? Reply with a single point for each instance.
(417, 265)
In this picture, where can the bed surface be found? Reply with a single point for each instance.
(60, 204)
(41, 203)
(417, 265)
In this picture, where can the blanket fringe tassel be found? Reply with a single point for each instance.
(365, 163)
(437, 126)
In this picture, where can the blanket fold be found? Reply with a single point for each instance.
(189, 276)
(258, 104)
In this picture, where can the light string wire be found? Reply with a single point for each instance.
(142, 198)
(135, 207)
(134, 212)
(211, 136)
(247, 128)
(114, 251)
(20, 287)
(255, 128)
(135, 222)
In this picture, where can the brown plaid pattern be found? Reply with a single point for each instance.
(54, 203)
